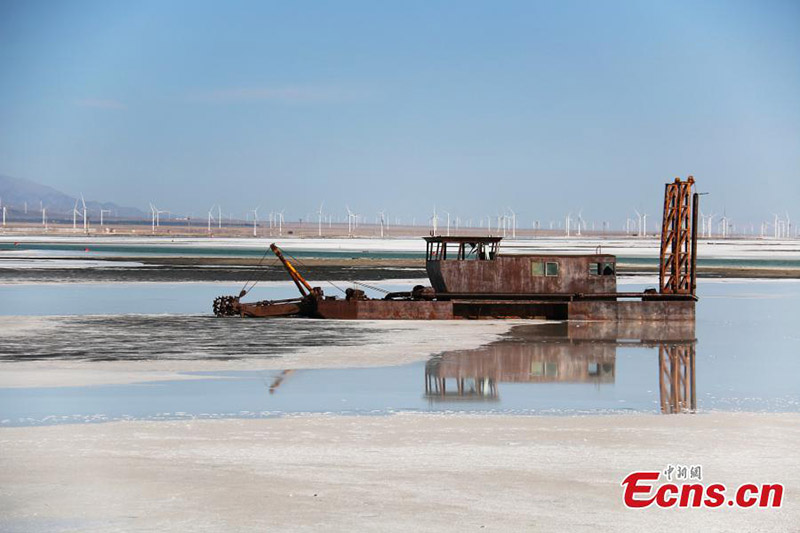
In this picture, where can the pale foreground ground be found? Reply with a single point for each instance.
(397, 473)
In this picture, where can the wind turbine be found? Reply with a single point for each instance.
(210, 218)
(280, 223)
(350, 217)
(723, 222)
(702, 224)
(435, 220)
(75, 214)
(219, 216)
(382, 221)
(153, 215)
(319, 220)
(85, 220)
(788, 226)
(448, 222)
(157, 215)
(567, 221)
(639, 227)
(513, 223)
(255, 222)
(710, 224)
(580, 222)
(44, 217)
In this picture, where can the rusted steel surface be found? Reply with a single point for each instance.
(677, 258)
(516, 274)
(365, 309)
(270, 310)
(384, 310)
(562, 297)
(477, 309)
(660, 311)
(231, 306)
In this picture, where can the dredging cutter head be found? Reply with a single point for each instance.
(226, 305)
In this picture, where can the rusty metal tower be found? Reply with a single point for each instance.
(677, 269)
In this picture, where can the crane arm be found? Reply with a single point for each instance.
(302, 284)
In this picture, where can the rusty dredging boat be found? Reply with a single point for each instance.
(471, 279)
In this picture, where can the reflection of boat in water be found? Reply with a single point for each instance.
(474, 374)
(566, 353)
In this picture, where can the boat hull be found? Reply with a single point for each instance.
(259, 310)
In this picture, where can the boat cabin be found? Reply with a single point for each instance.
(474, 265)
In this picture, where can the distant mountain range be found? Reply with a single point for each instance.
(16, 192)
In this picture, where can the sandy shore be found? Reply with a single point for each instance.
(396, 473)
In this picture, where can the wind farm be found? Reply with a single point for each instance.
(342, 221)
(399, 266)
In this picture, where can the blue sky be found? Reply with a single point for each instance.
(545, 107)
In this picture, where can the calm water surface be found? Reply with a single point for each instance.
(743, 355)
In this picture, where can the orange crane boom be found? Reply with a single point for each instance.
(302, 284)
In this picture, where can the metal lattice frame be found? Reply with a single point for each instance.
(676, 377)
(676, 272)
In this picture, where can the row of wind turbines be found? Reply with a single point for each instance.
(83, 213)
(504, 222)
(781, 227)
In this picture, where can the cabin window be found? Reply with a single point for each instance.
(594, 369)
(434, 251)
(551, 269)
(449, 250)
(537, 268)
(473, 250)
(609, 269)
(594, 269)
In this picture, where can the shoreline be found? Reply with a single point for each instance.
(237, 258)
(335, 268)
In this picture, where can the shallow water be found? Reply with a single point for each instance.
(745, 353)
